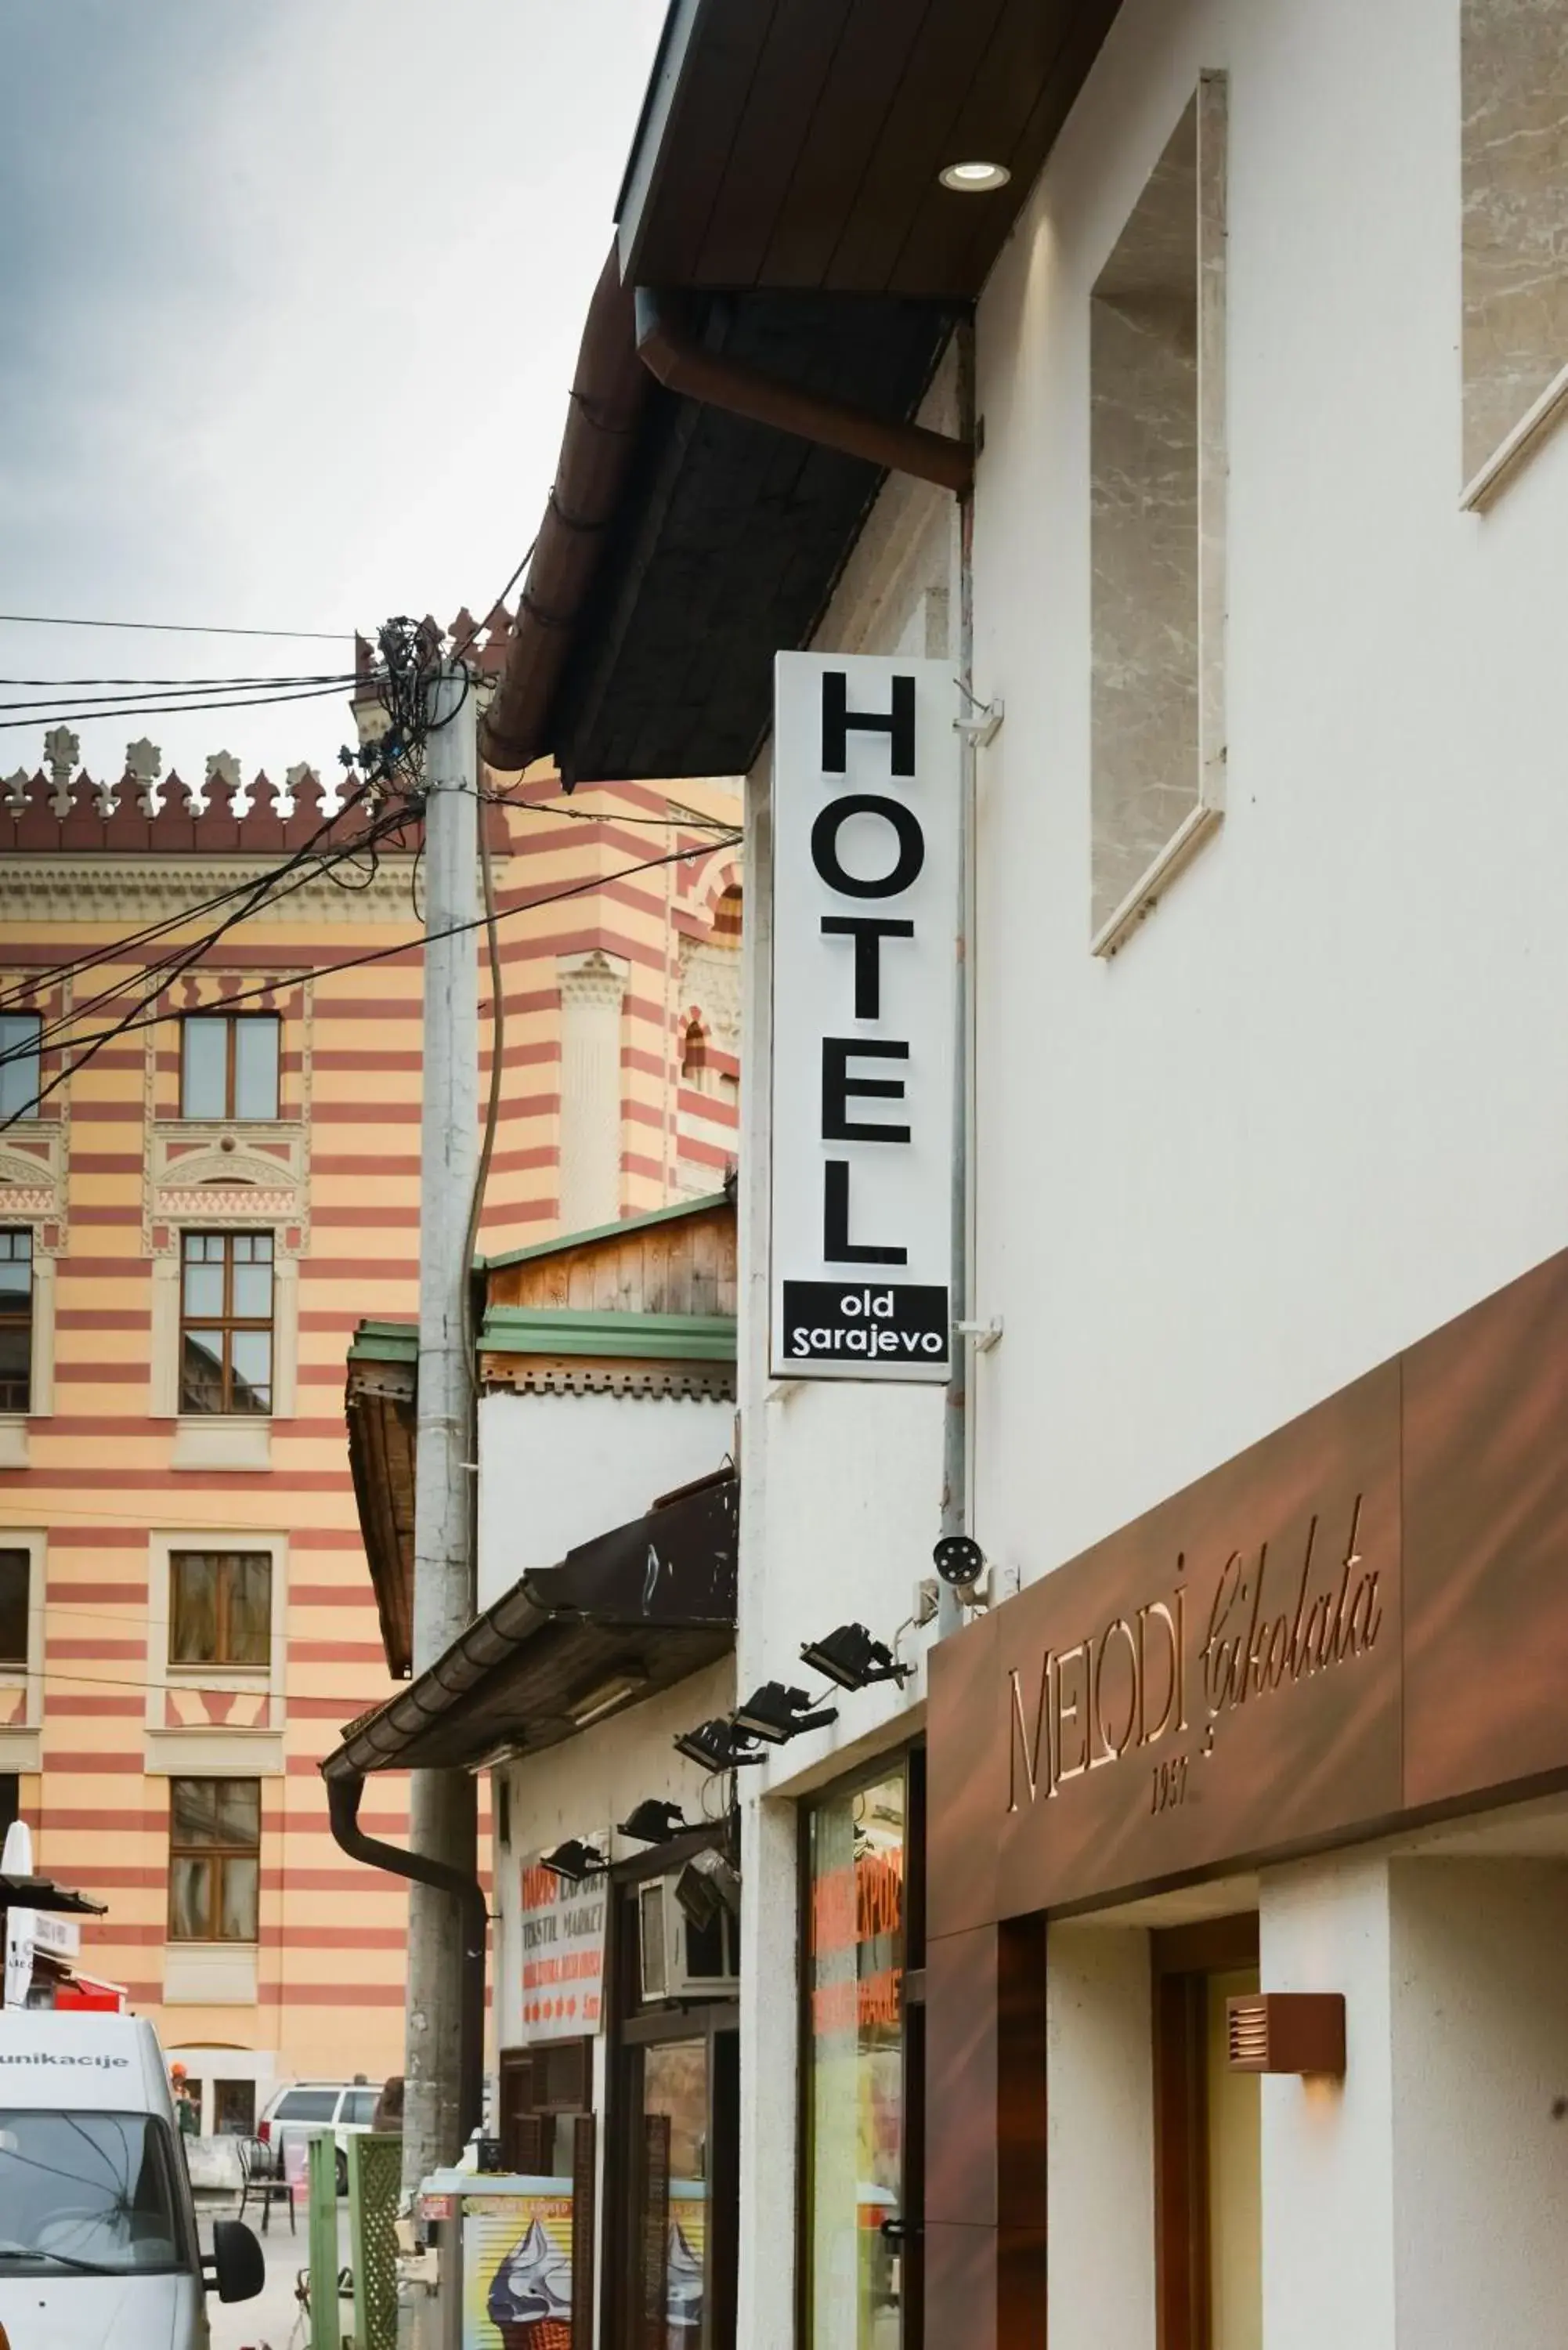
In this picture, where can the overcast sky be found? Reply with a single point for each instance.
(292, 292)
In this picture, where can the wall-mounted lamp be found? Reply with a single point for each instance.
(853, 1659)
(654, 1822)
(1286, 2032)
(574, 1860)
(706, 1887)
(779, 1714)
(717, 1745)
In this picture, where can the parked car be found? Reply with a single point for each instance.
(308, 2109)
(98, 2228)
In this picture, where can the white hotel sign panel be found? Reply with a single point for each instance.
(865, 895)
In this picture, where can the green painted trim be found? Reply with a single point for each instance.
(566, 1330)
(385, 1342)
(708, 1201)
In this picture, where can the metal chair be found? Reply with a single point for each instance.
(262, 2176)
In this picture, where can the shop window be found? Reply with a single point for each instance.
(862, 2087)
(229, 1064)
(543, 2092)
(1208, 2142)
(214, 1859)
(21, 1049)
(235, 2108)
(16, 1319)
(16, 1592)
(10, 1800)
(220, 1608)
(1513, 64)
(226, 1322)
(1156, 460)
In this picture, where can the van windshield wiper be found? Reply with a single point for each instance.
(61, 2260)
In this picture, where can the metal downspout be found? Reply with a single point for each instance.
(343, 1794)
(684, 365)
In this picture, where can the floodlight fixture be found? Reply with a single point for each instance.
(852, 1658)
(654, 1822)
(718, 1745)
(778, 1714)
(574, 1860)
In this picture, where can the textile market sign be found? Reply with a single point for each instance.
(563, 1941)
(866, 886)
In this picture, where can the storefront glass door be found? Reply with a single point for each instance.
(858, 2247)
(1209, 2142)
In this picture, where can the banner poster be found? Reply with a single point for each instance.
(562, 1949)
(517, 2270)
(866, 807)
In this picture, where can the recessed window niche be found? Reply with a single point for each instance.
(1513, 64)
(1157, 454)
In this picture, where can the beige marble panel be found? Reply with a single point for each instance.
(1514, 76)
(1157, 356)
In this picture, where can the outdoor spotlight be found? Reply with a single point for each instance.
(974, 179)
(853, 1659)
(778, 1714)
(707, 1885)
(718, 1745)
(574, 1861)
(654, 1822)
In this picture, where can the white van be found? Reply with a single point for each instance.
(98, 2228)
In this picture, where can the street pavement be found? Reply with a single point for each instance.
(276, 2319)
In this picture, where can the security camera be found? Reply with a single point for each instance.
(959, 1560)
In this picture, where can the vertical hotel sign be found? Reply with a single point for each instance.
(865, 894)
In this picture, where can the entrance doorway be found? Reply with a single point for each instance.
(1208, 2142)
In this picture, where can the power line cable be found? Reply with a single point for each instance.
(174, 628)
(192, 684)
(264, 889)
(267, 700)
(267, 890)
(382, 955)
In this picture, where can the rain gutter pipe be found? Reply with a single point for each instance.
(684, 365)
(344, 1790)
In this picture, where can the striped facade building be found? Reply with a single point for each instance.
(192, 1223)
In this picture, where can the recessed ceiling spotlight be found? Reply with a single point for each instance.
(975, 179)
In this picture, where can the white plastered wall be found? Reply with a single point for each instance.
(1100, 2139)
(556, 1470)
(1300, 1119)
(1327, 2145)
(840, 1486)
(1481, 2064)
(580, 1788)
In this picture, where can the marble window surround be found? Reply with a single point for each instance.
(1158, 466)
(1513, 63)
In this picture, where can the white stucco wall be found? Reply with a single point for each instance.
(1100, 2139)
(1328, 2146)
(1480, 2058)
(1300, 1119)
(589, 1783)
(556, 1470)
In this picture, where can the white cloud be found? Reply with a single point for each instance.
(300, 354)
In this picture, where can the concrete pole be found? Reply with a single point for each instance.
(443, 1808)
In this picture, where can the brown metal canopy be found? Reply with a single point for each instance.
(641, 1607)
(798, 143)
(783, 207)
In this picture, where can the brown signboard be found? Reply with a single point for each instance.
(1365, 1614)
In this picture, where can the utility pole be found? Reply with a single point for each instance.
(442, 1804)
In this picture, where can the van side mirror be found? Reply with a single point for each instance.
(239, 2270)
